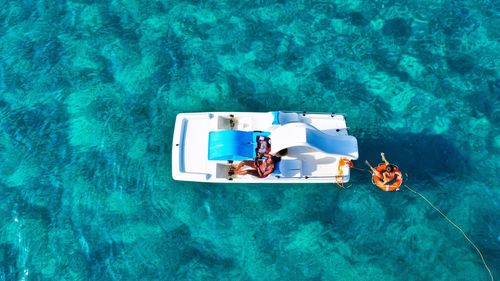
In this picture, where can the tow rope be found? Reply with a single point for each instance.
(457, 227)
(448, 219)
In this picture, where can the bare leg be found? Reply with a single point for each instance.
(237, 170)
(249, 172)
(374, 171)
(383, 158)
(239, 166)
(371, 168)
(248, 163)
(234, 169)
(241, 172)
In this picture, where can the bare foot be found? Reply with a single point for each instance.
(230, 172)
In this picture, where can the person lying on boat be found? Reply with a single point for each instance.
(259, 167)
(390, 172)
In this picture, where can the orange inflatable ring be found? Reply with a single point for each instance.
(380, 182)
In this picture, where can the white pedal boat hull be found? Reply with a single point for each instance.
(315, 141)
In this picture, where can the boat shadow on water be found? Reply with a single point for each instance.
(424, 157)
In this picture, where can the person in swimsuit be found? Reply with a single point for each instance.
(390, 172)
(263, 147)
(259, 168)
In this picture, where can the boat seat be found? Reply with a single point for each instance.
(244, 123)
(239, 123)
(290, 167)
(288, 117)
(224, 123)
(222, 169)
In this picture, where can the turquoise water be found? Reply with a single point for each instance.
(88, 95)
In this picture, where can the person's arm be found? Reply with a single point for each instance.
(259, 172)
(268, 170)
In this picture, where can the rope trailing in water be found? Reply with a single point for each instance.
(359, 169)
(457, 227)
(449, 220)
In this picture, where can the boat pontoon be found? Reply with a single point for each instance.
(205, 145)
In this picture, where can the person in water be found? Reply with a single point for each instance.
(388, 174)
(259, 168)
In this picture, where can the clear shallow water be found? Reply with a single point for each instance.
(89, 93)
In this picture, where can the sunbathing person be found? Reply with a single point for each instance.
(259, 168)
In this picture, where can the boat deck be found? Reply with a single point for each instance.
(191, 140)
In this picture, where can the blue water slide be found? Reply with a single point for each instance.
(232, 144)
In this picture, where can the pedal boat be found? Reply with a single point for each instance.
(206, 144)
